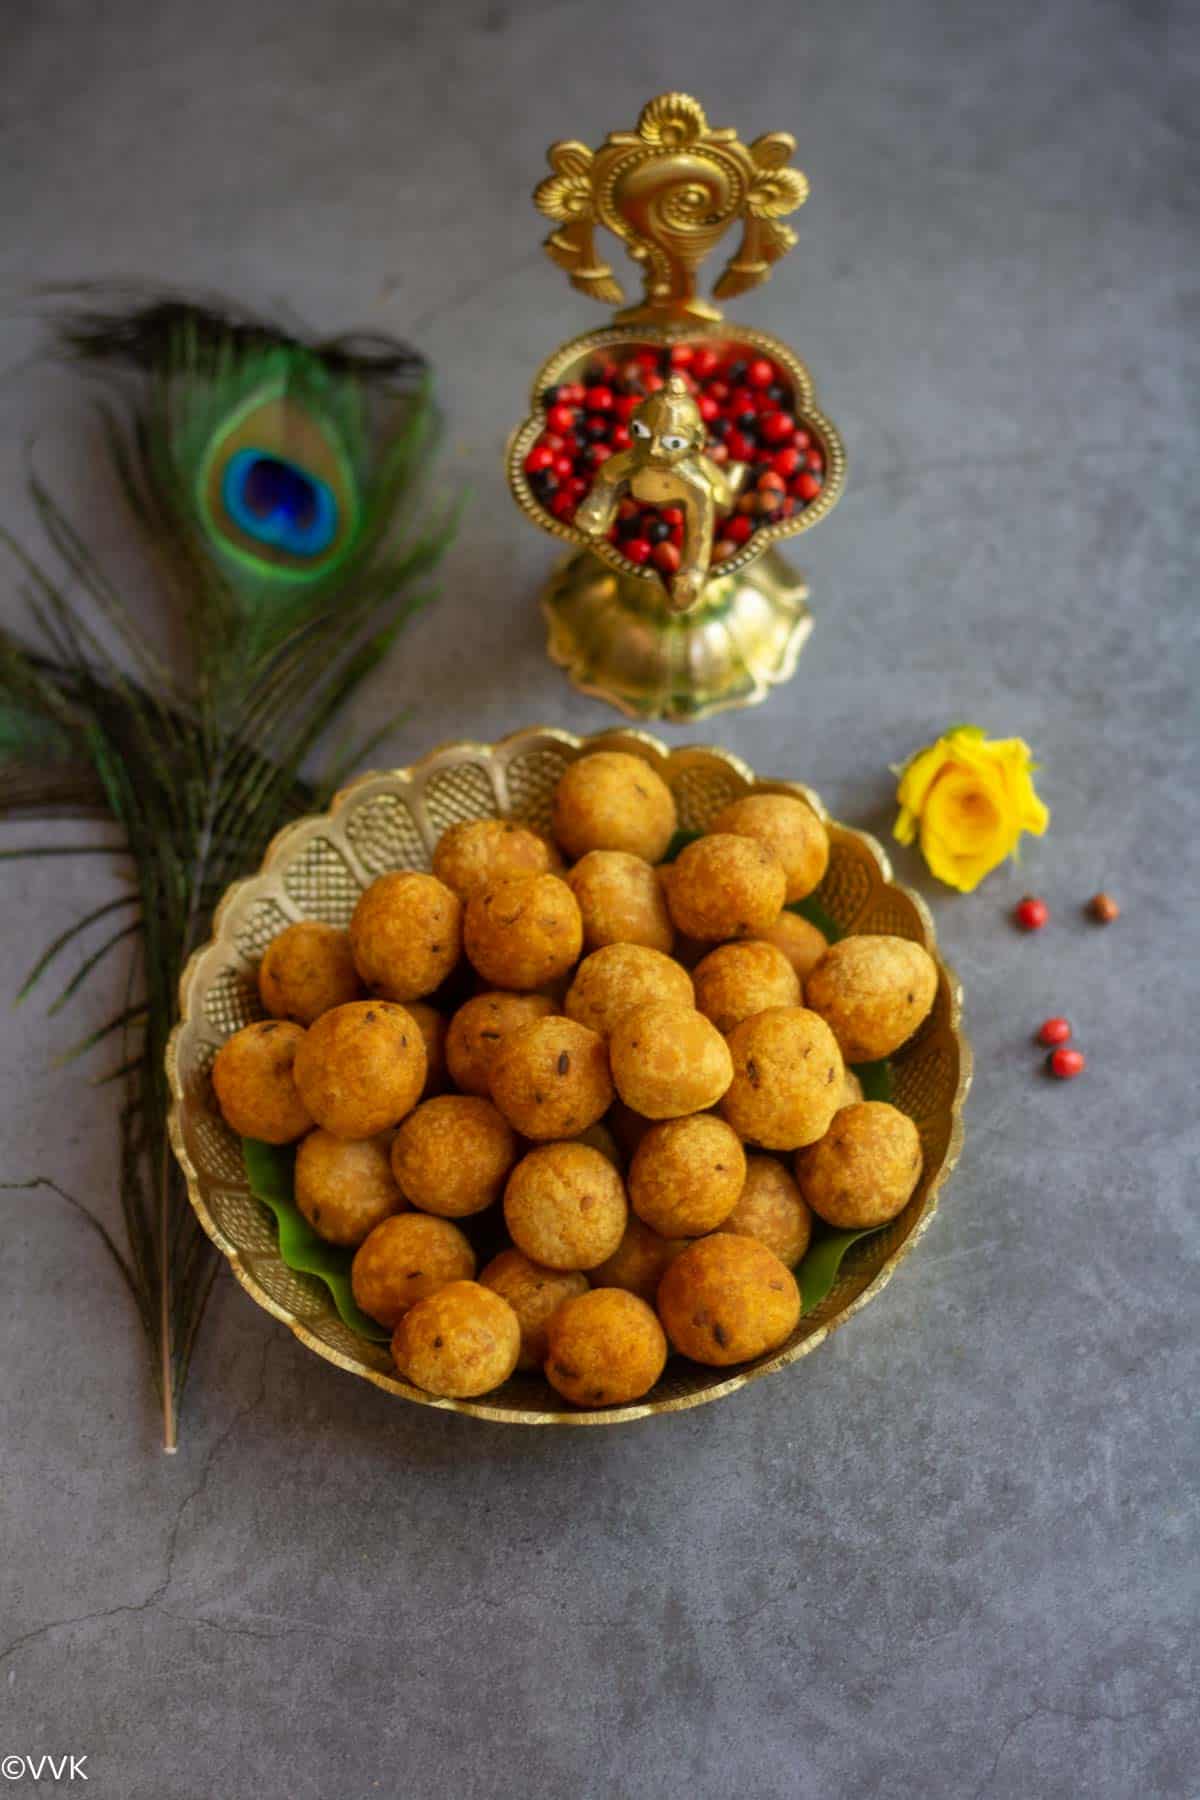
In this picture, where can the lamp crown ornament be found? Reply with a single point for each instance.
(670, 190)
(672, 448)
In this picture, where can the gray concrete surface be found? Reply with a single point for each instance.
(953, 1553)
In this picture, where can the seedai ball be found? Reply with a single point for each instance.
(611, 981)
(565, 1206)
(605, 1348)
(535, 1293)
(864, 1170)
(345, 1188)
(612, 801)
(550, 1079)
(474, 854)
(726, 1299)
(725, 886)
(452, 1155)
(735, 981)
(404, 1260)
(639, 1261)
(432, 1027)
(668, 1060)
(524, 932)
(621, 901)
(361, 1068)
(478, 1029)
(872, 992)
(787, 827)
(800, 941)
(686, 1175)
(787, 1078)
(771, 1210)
(307, 969)
(255, 1082)
(406, 934)
(461, 1341)
(852, 1089)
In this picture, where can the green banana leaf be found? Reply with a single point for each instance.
(269, 1169)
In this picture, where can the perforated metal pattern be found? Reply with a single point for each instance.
(232, 1001)
(316, 869)
(531, 780)
(322, 883)
(383, 835)
(459, 792)
(258, 926)
(245, 1221)
(700, 794)
(218, 1153)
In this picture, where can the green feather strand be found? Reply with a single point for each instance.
(200, 770)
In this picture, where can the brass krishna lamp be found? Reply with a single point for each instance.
(674, 451)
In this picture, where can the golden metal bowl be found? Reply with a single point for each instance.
(316, 869)
(567, 364)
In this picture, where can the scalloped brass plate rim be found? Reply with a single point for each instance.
(220, 950)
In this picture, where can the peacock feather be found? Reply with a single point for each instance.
(276, 480)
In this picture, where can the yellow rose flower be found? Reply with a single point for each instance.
(968, 798)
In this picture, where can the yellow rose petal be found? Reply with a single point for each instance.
(967, 799)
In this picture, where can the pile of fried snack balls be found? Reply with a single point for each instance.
(649, 1078)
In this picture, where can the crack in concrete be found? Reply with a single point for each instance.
(1078, 1717)
(157, 1593)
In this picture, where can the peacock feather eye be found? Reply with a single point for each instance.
(276, 489)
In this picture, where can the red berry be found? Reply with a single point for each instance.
(709, 410)
(598, 453)
(620, 439)
(815, 461)
(738, 528)
(1031, 913)
(562, 505)
(571, 393)
(627, 508)
(1066, 1064)
(637, 549)
(761, 373)
(682, 355)
(744, 399)
(808, 486)
(704, 361)
(776, 427)
(647, 357)
(1054, 1031)
(653, 383)
(786, 462)
(740, 448)
(771, 483)
(563, 465)
(802, 439)
(540, 457)
(673, 515)
(719, 390)
(626, 405)
(718, 453)
(561, 418)
(576, 488)
(666, 557)
(598, 399)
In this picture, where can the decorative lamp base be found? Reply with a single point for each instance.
(618, 640)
